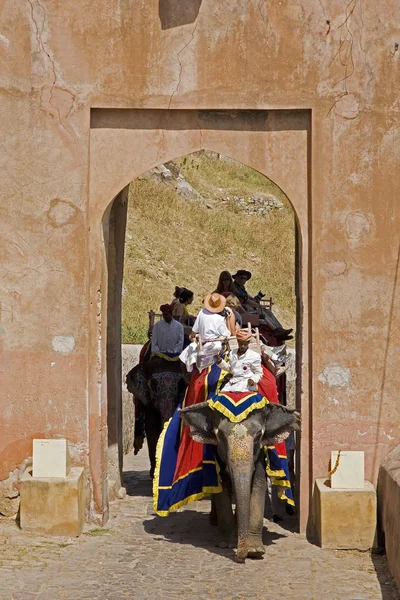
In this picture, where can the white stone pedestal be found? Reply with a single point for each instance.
(345, 519)
(53, 506)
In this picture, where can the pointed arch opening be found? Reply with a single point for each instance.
(108, 221)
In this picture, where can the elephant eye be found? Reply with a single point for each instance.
(257, 438)
(219, 433)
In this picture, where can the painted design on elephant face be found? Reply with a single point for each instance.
(164, 387)
(240, 445)
(239, 431)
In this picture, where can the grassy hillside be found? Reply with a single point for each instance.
(171, 241)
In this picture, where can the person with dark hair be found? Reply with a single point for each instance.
(180, 308)
(225, 284)
(167, 335)
(240, 278)
(176, 294)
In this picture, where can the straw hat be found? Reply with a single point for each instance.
(243, 335)
(214, 303)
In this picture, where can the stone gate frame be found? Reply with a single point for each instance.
(124, 143)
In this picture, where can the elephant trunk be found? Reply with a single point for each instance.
(241, 467)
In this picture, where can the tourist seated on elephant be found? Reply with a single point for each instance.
(233, 303)
(180, 309)
(214, 320)
(240, 278)
(176, 294)
(243, 364)
(225, 284)
(167, 335)
(213, 324)
(251, 304)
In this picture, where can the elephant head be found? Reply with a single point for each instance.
(166, 391)
(239, 446)
(136, 383)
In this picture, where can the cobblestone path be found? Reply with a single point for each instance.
(140, 556)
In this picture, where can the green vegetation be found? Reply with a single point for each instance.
(214, 178)
(171, 241)
(97, 531)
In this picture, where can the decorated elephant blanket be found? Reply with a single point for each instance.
(277, 465)
(187, 470)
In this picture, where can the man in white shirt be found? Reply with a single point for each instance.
(167, 336)
(210, 323)
(214, 322)
(244, 364)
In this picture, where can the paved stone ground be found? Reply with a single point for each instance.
(140, 556)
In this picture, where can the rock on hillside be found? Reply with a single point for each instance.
(170, 175)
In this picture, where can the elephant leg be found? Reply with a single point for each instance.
(227, 536)
(257, 500)
(153, 429)
(213, 513)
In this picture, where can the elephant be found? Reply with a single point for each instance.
(158, 385)
(239, 448)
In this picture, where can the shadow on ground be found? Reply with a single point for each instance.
(193, 527)
(288, 522)
(388, 586)
(138, 483)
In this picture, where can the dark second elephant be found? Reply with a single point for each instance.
(240, 448)
(159, 386)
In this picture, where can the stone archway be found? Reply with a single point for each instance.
(126, 143)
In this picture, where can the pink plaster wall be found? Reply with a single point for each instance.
(59, 59)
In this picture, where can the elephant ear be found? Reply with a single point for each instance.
(137, 384)
(279, 422)
(199, 418)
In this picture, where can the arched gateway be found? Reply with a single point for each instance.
(126, 143)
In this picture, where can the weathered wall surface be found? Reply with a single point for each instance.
(338, 59)
(130, 358)
(389, 509)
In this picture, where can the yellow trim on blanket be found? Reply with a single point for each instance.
(165, 356)
(206, 384)
(282, 496)
(228, 397)
(204, 462)
(156, 477)
(284, 483)
(221, 378)
(271, 473)
(205, 491)
(216, 405)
